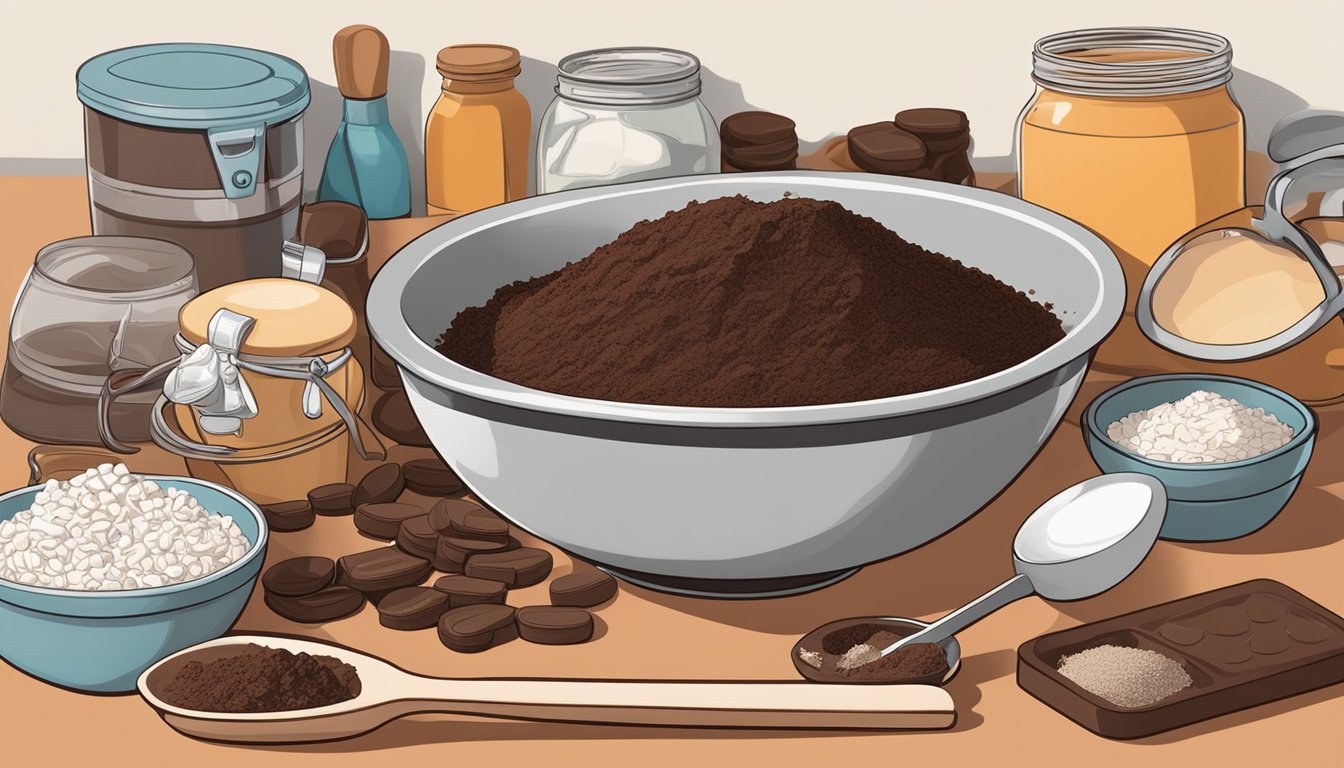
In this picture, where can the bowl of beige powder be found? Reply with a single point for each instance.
(1230, 451)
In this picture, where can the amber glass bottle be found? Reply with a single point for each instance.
(476, 138)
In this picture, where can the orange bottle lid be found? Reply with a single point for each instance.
(479, 62)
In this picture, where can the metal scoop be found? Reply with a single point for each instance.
(1080, 543)
(1304, 144)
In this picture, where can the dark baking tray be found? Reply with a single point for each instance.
(1220, 685)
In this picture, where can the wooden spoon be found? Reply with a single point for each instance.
(389, 692)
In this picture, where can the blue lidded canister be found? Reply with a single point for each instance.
(198, 144)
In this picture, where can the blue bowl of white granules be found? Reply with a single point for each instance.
(99, 641)
(1229, 468)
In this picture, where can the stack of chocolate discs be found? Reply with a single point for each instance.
(758, 141)
(926, 143)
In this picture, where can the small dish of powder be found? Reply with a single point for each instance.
(1200, 428)
(1124, 676)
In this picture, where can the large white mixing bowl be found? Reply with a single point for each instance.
(741, 501)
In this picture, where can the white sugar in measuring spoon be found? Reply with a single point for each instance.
(1080, 543)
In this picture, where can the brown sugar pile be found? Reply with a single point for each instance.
(735, 303)
(261, 679)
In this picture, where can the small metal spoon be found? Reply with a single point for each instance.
(1055, 558)
(388, 692)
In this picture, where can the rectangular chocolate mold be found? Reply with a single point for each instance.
(1243, 645)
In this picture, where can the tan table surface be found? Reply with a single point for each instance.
(645, 634)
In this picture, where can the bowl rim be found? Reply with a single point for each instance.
(258, 546)
(414, 357)
(1303, 435)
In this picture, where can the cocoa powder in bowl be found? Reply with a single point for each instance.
(736, 303)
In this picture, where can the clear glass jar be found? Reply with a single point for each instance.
(92, 308)
(625, 114)
(1133, 133)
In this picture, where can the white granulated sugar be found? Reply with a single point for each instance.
(109, 529)
(1201, 428)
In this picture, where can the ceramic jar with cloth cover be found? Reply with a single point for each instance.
(266, 395)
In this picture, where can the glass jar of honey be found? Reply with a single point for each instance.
(1133, 133)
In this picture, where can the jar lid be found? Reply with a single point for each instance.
(118, 267)
(293, 318)
(629, 76)
(1132, 61)
(477, 62)
(193, 85)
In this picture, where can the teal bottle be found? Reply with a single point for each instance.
(366, 165)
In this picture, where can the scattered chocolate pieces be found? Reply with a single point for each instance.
(412, 608)
(467, 590)
(288, 515)
(475, 628)
(324, 605)
(382, 484)
(924, 143)
(520, 567)
(584, 589)
(884, 148)
(393, 417)
(417, 537)
(453, 552)
(431, 477)
(380, 570)
(333, 499)
(299, 576)
(551, 625)
(468, 520)
(383, 521)
(384, 370)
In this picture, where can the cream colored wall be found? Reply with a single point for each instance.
(830, 65)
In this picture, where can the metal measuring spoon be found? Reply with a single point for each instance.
(1080, 543)
(1311, 138)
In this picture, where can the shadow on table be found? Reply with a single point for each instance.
(1313, 518)
(976, 671)
(446, 729)
(1158, 578)
(1245, 716)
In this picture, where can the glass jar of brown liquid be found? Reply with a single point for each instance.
(1133, 133)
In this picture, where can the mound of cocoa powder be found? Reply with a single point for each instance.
(261, 679)
(736, 303)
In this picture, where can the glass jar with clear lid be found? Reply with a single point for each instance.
(625, 114)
